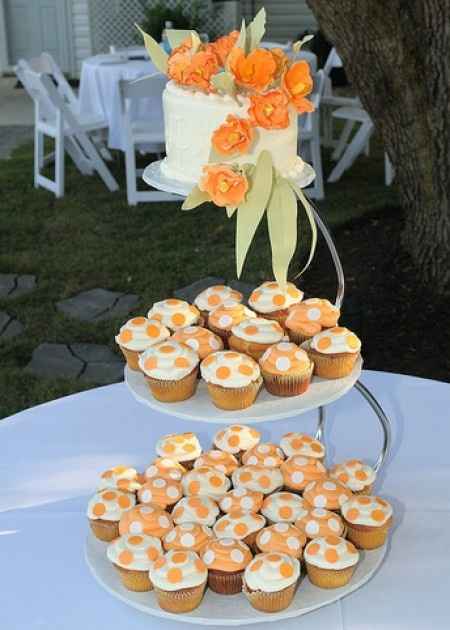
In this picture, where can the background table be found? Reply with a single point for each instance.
(51, 456)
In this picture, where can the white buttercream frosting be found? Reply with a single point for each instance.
(136, 552)
(140, 333)
(109, 505)
(258, 478)
(177, 570)
(195, 509)
(317, 522)
(168, 361)
(354, 474)
(165, 467)
(242, 499)
(293, 443)
(121, 478)
(191, 536)
(367, 510)
(205, 481)
(238, 524)
(336, 340)
(229, 369)
(236, 438)
(264, 454)
(215, 296)
(180, 447)
(271, 572)
(331, 552)
(270, 297)
(174, 313)
(258, 330)
(283, 507)
(229, 314)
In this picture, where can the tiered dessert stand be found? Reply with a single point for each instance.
(235, 610)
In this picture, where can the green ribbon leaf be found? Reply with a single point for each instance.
(157, 54)
(176, 36)
(312, 222)
(296, 46)
(195, 198)
(231, 210)
(282, 223)
(224, 83)
(256, 30)
(240, 43)
(196, 41)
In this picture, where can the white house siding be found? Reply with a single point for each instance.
(285, 18)
(82, 34)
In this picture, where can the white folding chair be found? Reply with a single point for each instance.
(146, 136)
(54, 118)
(309, 137)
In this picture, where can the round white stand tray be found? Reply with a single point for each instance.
(227, 610)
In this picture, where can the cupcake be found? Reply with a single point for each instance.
(179, 580)
(286, 369)
(270, 581)
(258, 479)
(241, 525)
(122, 478)
(105, 510)
(318, 522)
(199, 339)
(272, 302)
(253, 336)
(226, 559)
(241, 499)
(330, 561)
(266, 454)
(236, 439)
(215, 296)
(355, 475)
(160, 491)
(199, 509)
(309, 318)
(145, 519)
(233, 379)
(219, 460)
(282, 507)
(188, 536)
(170, 369)
(165, 467)
(281, 538)
(326, 493)
(334, 352)
(205, 481)
(182, 448)
(299, 471)
(302, 444)
(137, 335)
(368, 520)
(222, 319)
(133, 556)
(175, 314)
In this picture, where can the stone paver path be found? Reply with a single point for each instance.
(96, 305)
(9, 326)
(13, 285)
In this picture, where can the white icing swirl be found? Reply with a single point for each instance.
(331, 552)
(236, 438)
(109, 505)
(354, 474)
(367, 510)
(180, 447)
(169, 574)
(168, 361)
(336, 340)
(198, 509)
(229, 369)
(258, 478)
(136, 552)
(301, 444)
(140, 333)
(269, 297)
(215, 296)
(258, 330)
(283, 507)
(174, 313)
(205, 481)
(271, 572)
(238, 524)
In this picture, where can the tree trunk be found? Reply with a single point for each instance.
(397, 55)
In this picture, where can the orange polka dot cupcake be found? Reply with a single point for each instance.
(253, 336)
(299, 471)
(133, 556)
(137, 335)
(258, 478)
(309, 318)
(205, 481)
(222, 319)
(282, 507)
(105, 510)
(368, 520)
(266, 454)
(145, 519)
(160, 491)
(334, 352)
(281, 538)
(179, 580)
(226, 463)
(197, 509)
(170, 369)
(226, 559)
(272, 302)
(240, 525)
(233, 379)
(302, 444)
(317, 522)
(199, 339)
(190, 536)
(175, 314)
(165, 467)
(122, 478)
(270, 581)
(330, 561)
(215, 296)
(286, 369)
(182, 448)
(241, 499)
(326, 493)
(236, 439)
(355, 475)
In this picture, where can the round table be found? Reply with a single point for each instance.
(51, 456)
(100, 92)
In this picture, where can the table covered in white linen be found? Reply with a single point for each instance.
(51, 456)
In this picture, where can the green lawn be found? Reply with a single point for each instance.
(91, 238)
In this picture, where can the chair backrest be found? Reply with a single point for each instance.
(45, 64)
(333, 61)
(307, 120)
(150, 89)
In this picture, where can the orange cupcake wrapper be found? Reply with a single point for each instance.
(329, 578)
(286, 385)
(366, 536)
(133, 580)
(184, 600)
(132, 358)
(332, 365)
(173, 391)
(225, 583)
(234, 398)
(270, 602)
(297, 337)
(104, 530)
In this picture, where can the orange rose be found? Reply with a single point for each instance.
(255, 70)
(269, 110)
(177, 66)
(222, 46)
(225, 186)
(233, 137)
(297, 83)
(281, 60)
(202, 67)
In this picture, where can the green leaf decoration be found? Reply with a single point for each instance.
(252, 210)
(256, 30)
(240, 43)
(231, 210)
(224, 83)
(282, 223)
(310, 216)
(296, 46)
(196, 41)
(195, 198)
(157, 54)
(176, 36)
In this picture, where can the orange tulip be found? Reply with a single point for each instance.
(222, 46)
(281, 59)
(297, 83)
(233, 137)
(269, 110)
(225, 186)
(202, 67)
(255, 70)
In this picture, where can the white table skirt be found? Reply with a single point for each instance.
(51, 455)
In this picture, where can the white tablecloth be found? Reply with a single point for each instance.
(51, 455)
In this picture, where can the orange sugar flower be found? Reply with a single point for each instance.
(225, 186)
(222, 46)
(255, 70)
(177, 66)
(233, 137)
(297, 83)
(185, 45)
(269, 110)
(202, 67)
(281, 60)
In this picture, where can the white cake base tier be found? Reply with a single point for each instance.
(227, 610)
(266, 407)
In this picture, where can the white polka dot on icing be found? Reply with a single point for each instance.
(237, 555)
(282, 364)
(171, 536)
(263, 448)
(225, 320)
(147, 509)
(226, 503)
(329, 485)
(314, 314)
(297, 476)
(187, 527)
(227, 542)
(320, 500)
(136, 527)
(270, 461)
(252, 460)
(160, 483)
(334, 525)
(281, 527)
(246, 503)
(312, 528)
(172, 492)
(264, 538)
(163, 521)
(187, 540)
(240, 492)
(292, 542)
(146, 496)
(320, 512)
(208, 557)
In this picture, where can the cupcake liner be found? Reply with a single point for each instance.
(173, 391)
(368, 536)
(188, 464)
(332, 365)
(329, 578)
(134, 580)
(223, 334)
(104, 530)
(184, 600)
(132, 358)
(233, 398)
(270, 602)
(250, 541)
(225, 582)
(297, 337)
(252, 349)
(287, 385)
(366, 490)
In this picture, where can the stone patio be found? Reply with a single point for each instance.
(9, 326)
(13, 285)
(97, 305)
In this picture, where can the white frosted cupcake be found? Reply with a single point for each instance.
(264, 454)
(165, 467)
(188, 536)
(179, 580)
(334, 352)
(282, 507)
(241, 525)
(241, 499)
(330, 561)
(205, 481)
(160, 491)
(236, 439)
(258, 478)
(225, 462)
(270, 581)
(123, 478)
(273, 302)
(326, 493)
(201, 340)
(226, 559)
(137, 335)
(254, 336)
(105, 509)
(281, 538)
(355, 475)
(368, 520)
(196, 509)
(318, 522)
(182, 448)
(133, 556)
(215, 296)
(293, 443)
(309, 318)
(175, 313)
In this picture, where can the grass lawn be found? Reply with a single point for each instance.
(92, 238)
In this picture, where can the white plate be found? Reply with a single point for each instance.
(266, 407)
(227, 610)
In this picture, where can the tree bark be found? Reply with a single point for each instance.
(397, 55)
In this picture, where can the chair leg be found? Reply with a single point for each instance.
(38, 154)
(352, 151)
(96, 161)
(343, 140)
(59, 164)
(130, 170)
(78, 157)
